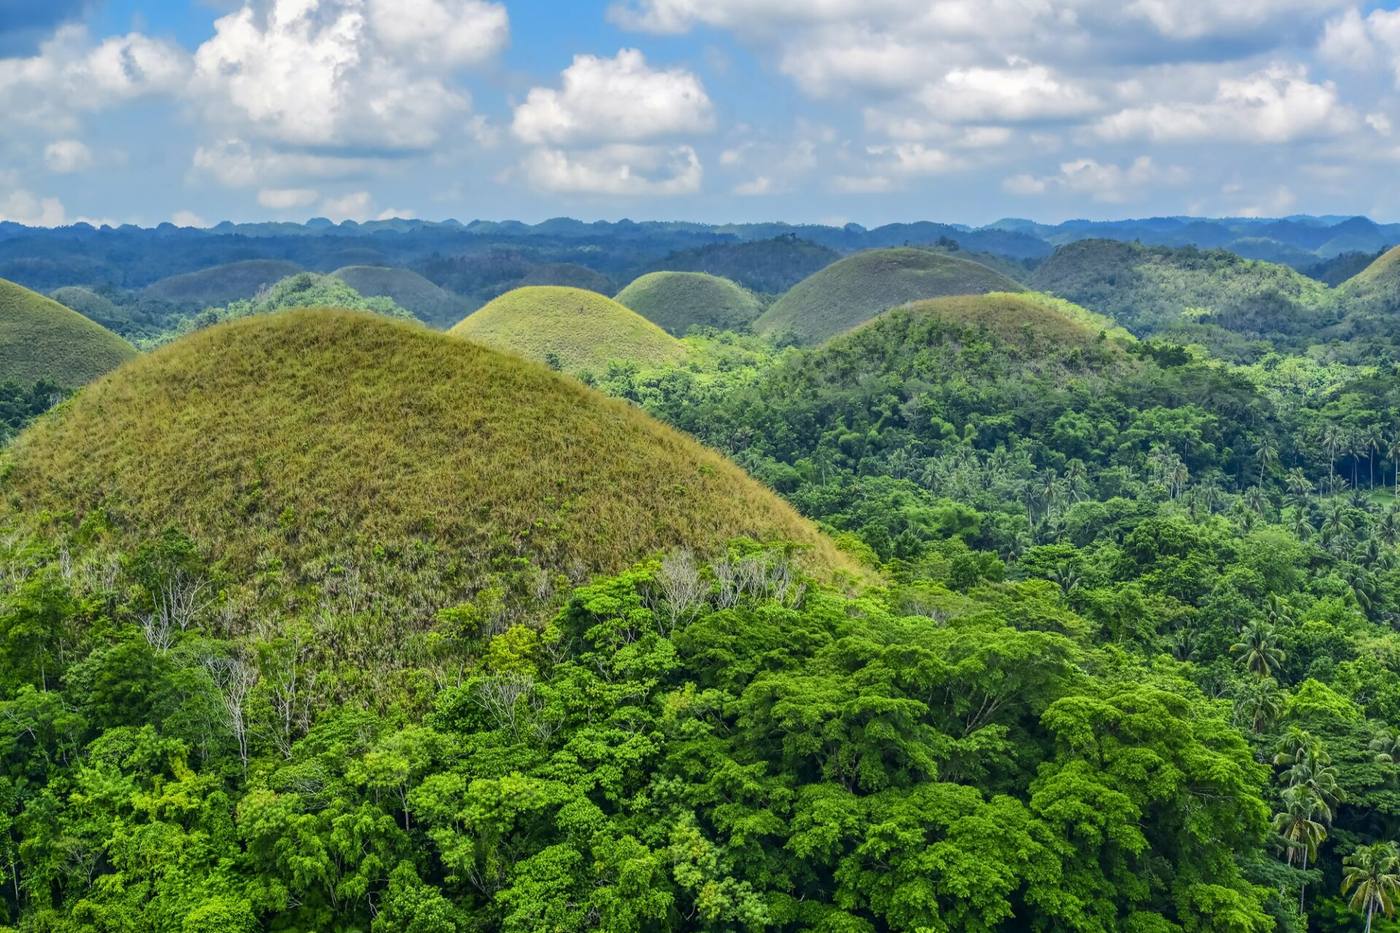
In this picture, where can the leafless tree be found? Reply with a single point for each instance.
(682, 588)
(234, 676)
(501, 695)
(175, 607)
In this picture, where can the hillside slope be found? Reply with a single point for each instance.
(41, 339)
(1027, 319)
(220, 285)
(857, 288)
(1370, 300)
(432, 305)
(570, 328)
(679, 301)
(313, 453)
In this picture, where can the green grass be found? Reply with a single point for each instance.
(88, 303)
(855, 289)
(315, 453)
(1028, 319)
(679, 301)
(1371, 298)
(220, 285)
(432, 305)
(41, 339)
(576, 330)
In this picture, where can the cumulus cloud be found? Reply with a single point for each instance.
(618, 169)
(72, 75)
(329, 73)
(619, 99)
(284, 199)
(188, 219)
(1105, 182)
(67, 155)
(1276, 105)
(235, 163)
(24, 207)
(1359, 43)
(357, 205)
(1018, 92)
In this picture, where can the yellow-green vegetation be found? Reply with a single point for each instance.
(680, 301)
(341, 456)
(40, 339)
(1371, 298)
(88, 303)
(855, 289)
(571, 329)
(220, 285)
(1029, 319)
(407, 289)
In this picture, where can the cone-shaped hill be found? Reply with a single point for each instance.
(1026, 319)
(679, 301)
(407, 289)
(311, 448)
(220, 285)
(855, 289)
(570, 328)
(41, 339)
(1370, 300)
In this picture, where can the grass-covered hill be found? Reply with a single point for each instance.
(1151, 289)
(432, 305)
(679, 301)
(325, 454)
(220, 285)
(1370, 299)
(570, 328)
(855, 289)
(767, 266)
(89, 304)
(1027, 319)
(302, 290)
(41, 340)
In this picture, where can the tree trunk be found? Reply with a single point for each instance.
(1303, 888)
(1370, 909)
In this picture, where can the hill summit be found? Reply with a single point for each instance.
(855, 289)
(317, 453)
(41, 339)
(571, 329)
(679, 301)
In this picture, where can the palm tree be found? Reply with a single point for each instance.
(1388, 528)
(1267, 453)
(1385, 746)
(1334, 438)
(1259, 701)
(1371, 443)
(1299, 486)
(1301, 833)
(1277, 612)
(1302, 523)
(1314, 771)
(1258, 650)
(1255, 500)
(1336, 522)
(1392, 451)
(1372, 874)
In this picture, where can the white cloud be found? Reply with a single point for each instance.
(71, 76)
(357, 205)
(1361, 44)
(395, 213)
(283, 199)
(755, 187)
(1273, 203)
(24, 207)
(1276, 105)
(620, 169)
(617, 99)
(235, 163)
(1198, 19)
(67, 155)
(188, 219)
(1099, 181)
(1019, 92)
(333, 73)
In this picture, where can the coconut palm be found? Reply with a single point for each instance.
(1301, 832)
(1336, 522)
(1299, 486)
(1392, 451)
(1267, 455)
(1258, 650)
(1371, 442)
(1372, 875)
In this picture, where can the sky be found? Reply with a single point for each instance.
(830, 111)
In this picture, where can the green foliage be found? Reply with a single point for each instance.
(42, 341)
(220, 285)
(302, 290)
(407, 289)
(857, 288)
(582, 330)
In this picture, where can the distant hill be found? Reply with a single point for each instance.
(302, 290)
(570, 328)
(327, 456)
(41, 339)
(1028, 319)
(1149, 289)
(220, 285)
(1371, 298)
(768, 266)
(89, 304)
(432, 305)
(679, 301)
(857, 288)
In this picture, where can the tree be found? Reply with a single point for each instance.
(1301, 832)
(1333, 439)
(1267, 455)
(1372, 875)
(1258, 651)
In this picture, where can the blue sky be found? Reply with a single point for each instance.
(802, 110)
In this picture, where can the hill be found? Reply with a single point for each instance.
(432, 305)
(1151, 289)
(41, 339)
(679, 301)
(1370, 300)
(767, 266)
(570, 328)
(302, 290)
(855, 289)
(312, 451)
(89, 304)
(220, 285)
(1026, 319)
